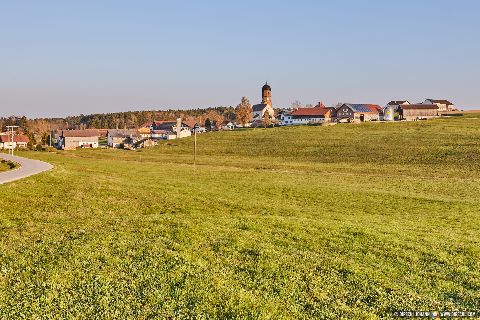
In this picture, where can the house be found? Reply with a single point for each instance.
(349, 112)
(118, 138)
(306, 116)
(266, 106)
(413, 112)
(19, 141)
(228, 125)
(159, 134)
(159, 125)
(333, 110)
(144, 132)
(391, 108)
(443, 105)
(72, 139)
(166, 126)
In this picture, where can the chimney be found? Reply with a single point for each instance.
(179, 127)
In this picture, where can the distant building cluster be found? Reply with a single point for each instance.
(147, 135)
(262, 114)
(346, 112)
(355, 112)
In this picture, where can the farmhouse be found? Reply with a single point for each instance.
(306, 116)
(72, 139)
(349, 112)
(414, 112)
(228, 125)
(333, 110)
(443, 105)
(159, 125)
(19, 141)
(117, 138)
(170, 126)
(144, 132)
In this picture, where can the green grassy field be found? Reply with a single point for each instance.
(6, 165)
(350, 221)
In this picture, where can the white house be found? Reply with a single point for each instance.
(305, 116)
(19, 141)
(228, 125)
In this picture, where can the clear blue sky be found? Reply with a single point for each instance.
(69, 57)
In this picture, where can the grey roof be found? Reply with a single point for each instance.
(358, 107)
(123, 133)
(397, 102)
(448, 103)
(259, 107)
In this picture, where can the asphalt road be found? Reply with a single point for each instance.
(28, 167)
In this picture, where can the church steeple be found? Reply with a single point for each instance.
(267, 94)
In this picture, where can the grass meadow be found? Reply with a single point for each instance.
(349, 221)
(4, 166)
(7, 165)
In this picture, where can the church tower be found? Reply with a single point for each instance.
(267, 94)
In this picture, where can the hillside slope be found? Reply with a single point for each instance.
(350, 221)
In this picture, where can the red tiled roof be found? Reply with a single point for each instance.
(81, 133)
(190, 123)
(374, 107)
(103, 132)
(16, 138)
(310, 111)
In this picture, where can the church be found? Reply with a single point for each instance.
(266, 105)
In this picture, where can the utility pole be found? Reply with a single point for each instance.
(12, 132)
(195, 129)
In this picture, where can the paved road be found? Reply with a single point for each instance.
(28, 167)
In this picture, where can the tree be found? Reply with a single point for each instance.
(32, 142)
(266, 119)
(296, 104)
(244, 112)
(215, 118)
(45, 138)
(208, 124)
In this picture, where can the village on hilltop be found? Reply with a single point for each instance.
(259, 115)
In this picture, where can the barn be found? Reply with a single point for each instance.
(413, 112)
(350, 112)
(72, 139)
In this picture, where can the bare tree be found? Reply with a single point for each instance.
(296, 104)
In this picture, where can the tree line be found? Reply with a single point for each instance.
(212, 118)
